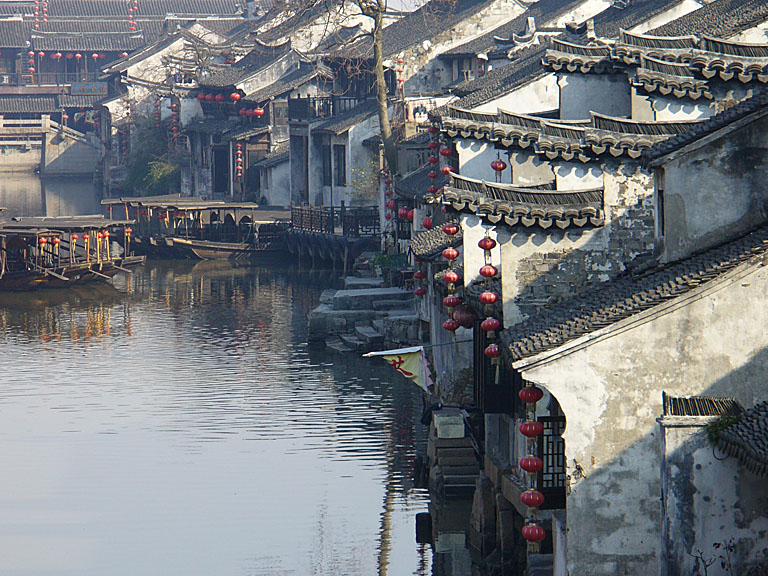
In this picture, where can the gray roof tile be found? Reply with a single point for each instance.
(747, 439)
(721, 18)
(430, 244)
(346, 120)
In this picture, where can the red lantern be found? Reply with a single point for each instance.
(451, 301)
(446, 152)
(234, 96)
(450, 277)
(419, 275)
(531, 429)
(451, 325)
(451, 228)
(450, 253)
(432, 174)
(129, 231)
(488, 271)
(210, 97)
(258, 112)
(249, 112)
(78, 56)
(499, 165)
(402, 213)
(220, 98)
(31, 69)
(433, 160)
(487, 243)
(201, 96)
(409, 215)
(489, 297)
(56, 56)
(427, 222)
(433, 145)
(125, 55)
(388, 216)
(490, 324)
(531, 464)
(420, 292)
(95, 56)
(534, 533)
(446, 170)
(492, 351)
(433, 189)
(74, 237)
(388, 182)
(390, 204)
(433, 129)
(43, 241)
(41, 54)
(532, 498)
(242, 112)
(31, 53)
(388, 193)
(530, 394)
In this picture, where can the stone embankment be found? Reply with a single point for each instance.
(364, 316)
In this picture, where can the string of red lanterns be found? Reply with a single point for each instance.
(532, 498)
(157, 111)
(400, 79)
(390, 205)
(451, 278)
(239, 161)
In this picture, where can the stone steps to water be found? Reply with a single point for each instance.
(336, 345)
(357, 282)
(364, 298)
(400, 305)
(540, 565)
(370, 335)
(354, 343)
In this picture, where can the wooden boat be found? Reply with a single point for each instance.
(61, 252)
(174, 227)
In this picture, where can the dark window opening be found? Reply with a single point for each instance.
(340, 164)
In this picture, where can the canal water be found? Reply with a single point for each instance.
(177, 423)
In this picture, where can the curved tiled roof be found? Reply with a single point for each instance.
(570, 57)
(416, 184)
(747, 439)
(513, 205)
(431, 243)
(669, 78)
(103, 41)
(721, 18)
(616, 300)
(757, 103)
(28, 104)
(147, 8)
(14, 33)
(280, 154)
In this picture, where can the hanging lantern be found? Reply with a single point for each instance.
(490, 324)
(451, 325)
(388, 192)
(445, 152)
(433, 189)
(450, 253)
(220, 98)
(531, 428)
(532, 498)
(95, 56)
(530, 394)
(451, 301)
(531, 464)
(433, 145)
(402, 213)
(31, 69)
(420, 292)
(487, 243)
(499, 165)
(78, 56)
(433, 160)
(409, 215)
(56, 56)
(427, 222)
(464, 316)
(450, 277)
(433, 129)
(488, 271)
(201, 96)
(492, 351)
(31, 53)
(234, 96)
(432, 174)
(419, 275)
(125, 55)
(451, 228)
(242, 111)
(489, 297)
(258, 112)
(42, 241)
(249, 112)
(534, 533)
(210, 97)
(446, 170)
(41, 54)
(388, 216)
(388, 182)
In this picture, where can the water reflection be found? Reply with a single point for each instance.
(27, 194)
(178, 422)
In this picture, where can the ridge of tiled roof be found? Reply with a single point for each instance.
(147, 8)
(342, 122)
(524, 69)
(79, 101)
(543, 11)
(416, 184)
(98, 41)
(259, 57)
(284, 84)
(744, 108)
(555, 325)
(747, 439)
(431, 243)
(721, 18)
(279, 154)
(529, 206)
(28, 104)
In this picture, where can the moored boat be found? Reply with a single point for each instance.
(47, 252)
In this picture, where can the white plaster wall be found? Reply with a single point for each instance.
(474, 230)
(190, 110)
(578, 176)
(475, 158)
(541, 95)
(667, 108)
(582, 12)
(669, 15)
(279, 191)
(755, 35)
(581, 94)
(530, 169)
(611, 393)
(716, 190)
(451, 351)
(270, 74)
(360, 166)
(708, 499)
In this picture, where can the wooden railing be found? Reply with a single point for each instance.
(360, 222)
